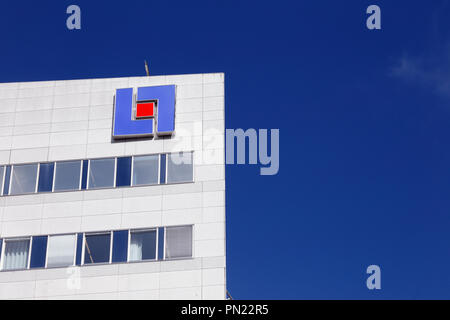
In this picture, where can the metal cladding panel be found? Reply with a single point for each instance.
(46, 177)
(124, 125)
(161, 243)
(79, 249)
(120, 246)
(165, 96)
(38, 252)
(123, 172)
(7, 178)
(84, 175)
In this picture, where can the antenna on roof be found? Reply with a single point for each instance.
(146, 68)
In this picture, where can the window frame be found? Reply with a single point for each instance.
(167, 168)
(38, 173)
(159, 170)
(81, 175)
(3, 181)
(111, 235)
(89, 174)
(130, 231)
(111, 244)
(35, 182)
(36, 187)
(12, 169)
(165, 242)
(5, 241)
(74, 253)
(115, 171)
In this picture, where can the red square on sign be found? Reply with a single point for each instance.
(144, 110)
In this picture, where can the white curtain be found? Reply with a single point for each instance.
(136, 244)
(61, 250)
(16, 254)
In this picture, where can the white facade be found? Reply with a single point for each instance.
(67, 120)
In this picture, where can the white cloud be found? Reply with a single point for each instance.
(431, 71)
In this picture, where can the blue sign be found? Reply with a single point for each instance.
(153, 112)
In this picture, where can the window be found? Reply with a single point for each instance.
(97, 173)
(16, 254)
(179, 167)
(84, 174)
(67, 176)
(45, 177)
(123, 172)
(142, 245)
(97, 248)
(2, 173)
(120, 246)
(7, 179)
(178, 242)
(24, 179)
(145, 170)
(61, 250)
(101, 173)
(78, 255)
(51, 251)
(38, 251)
(161, 243)
(162, 169)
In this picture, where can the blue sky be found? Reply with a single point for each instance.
(364, 119)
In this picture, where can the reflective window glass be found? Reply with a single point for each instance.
(145, 170)
(179, 167)
(97, 248)
(24, 179)
(101, 173)
(143, 245)
(67, 175)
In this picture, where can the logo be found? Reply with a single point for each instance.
(151, 111)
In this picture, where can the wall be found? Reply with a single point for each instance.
(62, 120)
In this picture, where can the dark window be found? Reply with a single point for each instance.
(84, 175)
(143, 245)
(120, 246)
(123, 172)
(161, 243)
(2, 173)
(162, 174)
(79, 249)
(38, 252)
(7, 178)
(97, 248)
(45, 177)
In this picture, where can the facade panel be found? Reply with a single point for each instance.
(156, 231)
